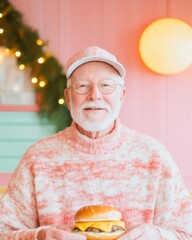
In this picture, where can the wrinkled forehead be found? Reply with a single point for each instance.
(95, 71)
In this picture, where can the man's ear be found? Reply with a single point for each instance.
(66, 94)
(123, 94)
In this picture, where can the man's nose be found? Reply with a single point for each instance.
(94, 92)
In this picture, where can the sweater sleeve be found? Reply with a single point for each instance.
(173, 208)
(18, 214)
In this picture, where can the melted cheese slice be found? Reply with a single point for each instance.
(103, 226)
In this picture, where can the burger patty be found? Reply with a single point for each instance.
(96, 230)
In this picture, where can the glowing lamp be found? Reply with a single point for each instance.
(166, 46)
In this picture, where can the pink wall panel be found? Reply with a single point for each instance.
(156, 105)
(4, 178)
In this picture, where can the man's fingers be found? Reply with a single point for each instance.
(142, 232)
(134, 232)
(70, 234)
(66, 228)
(131, 226)
(56, 233)
(74, 236)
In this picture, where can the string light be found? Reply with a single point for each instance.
(37, 74)
(39, 42)
(18, 54)
(41, 60)
(22, 67)
(7, 51)
(61, 101)
(42, 84)
(34, 80)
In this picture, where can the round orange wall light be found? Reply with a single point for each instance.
(166, 46)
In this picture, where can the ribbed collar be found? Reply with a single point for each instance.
(82, 143)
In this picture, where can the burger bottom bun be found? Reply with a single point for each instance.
(103, 235)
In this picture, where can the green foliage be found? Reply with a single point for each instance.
(17, 36)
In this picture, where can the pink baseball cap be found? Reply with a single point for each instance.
(92, 54)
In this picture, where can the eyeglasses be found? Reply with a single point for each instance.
(106, 86)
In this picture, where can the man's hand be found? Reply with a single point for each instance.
(59, 233)
(141, 232)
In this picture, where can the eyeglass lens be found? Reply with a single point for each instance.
(105, 86)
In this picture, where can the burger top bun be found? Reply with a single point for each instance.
(97, 213)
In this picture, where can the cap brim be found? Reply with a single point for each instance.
(117, 65)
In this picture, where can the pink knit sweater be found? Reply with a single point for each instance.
(68, 170)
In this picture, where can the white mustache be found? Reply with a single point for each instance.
(95, 105)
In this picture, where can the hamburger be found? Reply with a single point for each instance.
(99, 222)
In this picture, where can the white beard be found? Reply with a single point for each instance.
(92, 121)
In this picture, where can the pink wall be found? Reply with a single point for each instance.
(156, 105)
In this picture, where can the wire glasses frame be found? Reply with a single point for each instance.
(106, 86)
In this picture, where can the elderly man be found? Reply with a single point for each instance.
(96, 161)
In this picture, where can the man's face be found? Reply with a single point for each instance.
(94, 110)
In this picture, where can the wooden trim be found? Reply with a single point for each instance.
(19, 108)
